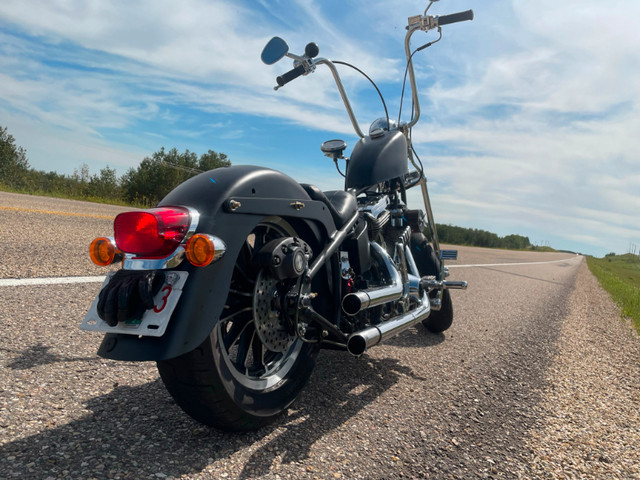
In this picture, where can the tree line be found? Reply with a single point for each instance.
(144, 185)
(480, 238)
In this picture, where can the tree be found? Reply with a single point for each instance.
(14, 165)
(516, 242)
(81, 176)
(106, 185)
(211, 160)
(164, 170)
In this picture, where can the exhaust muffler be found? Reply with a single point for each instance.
(353, 303)
(360, 341)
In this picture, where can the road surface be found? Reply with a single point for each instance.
(482, 400)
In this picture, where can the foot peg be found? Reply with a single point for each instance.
(454, 285)
(430, 283)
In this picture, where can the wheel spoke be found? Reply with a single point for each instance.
(257, 350)
(234, 315)
(245, 268)
(246, 277)
(249, 247)
(236, 330)
(254, 348)
(264, 237)
(244, 343)
(242, 294)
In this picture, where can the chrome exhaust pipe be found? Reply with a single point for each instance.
(359, 342)
(353, 303)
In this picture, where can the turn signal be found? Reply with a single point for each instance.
(200, 250)
(103, 251)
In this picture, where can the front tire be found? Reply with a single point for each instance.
(247, 371)
(429, 265)
(440, 320)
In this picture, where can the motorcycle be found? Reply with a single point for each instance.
(240, 275)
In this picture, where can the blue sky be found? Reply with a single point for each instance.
(530, 113)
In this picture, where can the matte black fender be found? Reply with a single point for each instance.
(231, 202)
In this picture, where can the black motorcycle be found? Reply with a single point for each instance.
(240, 275)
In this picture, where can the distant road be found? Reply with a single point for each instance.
(50, 237)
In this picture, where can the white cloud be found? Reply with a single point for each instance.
(66, 150)
(542, 132)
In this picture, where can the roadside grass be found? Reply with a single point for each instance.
(620, 276)
(537, 248)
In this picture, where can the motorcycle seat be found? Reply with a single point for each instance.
(341, 204)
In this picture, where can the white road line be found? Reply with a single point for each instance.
(509, 264)
(17, 282)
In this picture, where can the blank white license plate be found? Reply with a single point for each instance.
(154, 321)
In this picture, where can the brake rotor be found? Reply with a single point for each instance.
(271, 325)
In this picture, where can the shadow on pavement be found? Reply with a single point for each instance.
(136, 432)
(40, 354)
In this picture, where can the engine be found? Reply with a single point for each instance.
(372, 280)
(374, 208)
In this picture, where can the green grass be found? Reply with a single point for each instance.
(535, 248)
(620, 276)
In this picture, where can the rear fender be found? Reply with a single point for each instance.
(257, 192)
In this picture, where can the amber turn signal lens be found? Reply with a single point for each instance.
(103, 251)
(200, 250)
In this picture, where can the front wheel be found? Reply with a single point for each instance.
(252, 366)
(440, 320)
(429, 265)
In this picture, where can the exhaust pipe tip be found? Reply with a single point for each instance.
(356, 345)
(360, 341)
(351, 304)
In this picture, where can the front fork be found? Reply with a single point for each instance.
(431, 221)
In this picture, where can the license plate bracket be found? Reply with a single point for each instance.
(154, 321)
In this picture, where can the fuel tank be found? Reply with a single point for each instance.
(377, 158)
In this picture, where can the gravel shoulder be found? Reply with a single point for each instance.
(588, 418)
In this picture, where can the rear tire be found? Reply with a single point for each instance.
(233, 381)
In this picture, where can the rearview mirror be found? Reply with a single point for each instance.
(274, 50)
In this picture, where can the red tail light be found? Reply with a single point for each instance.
(156, 232)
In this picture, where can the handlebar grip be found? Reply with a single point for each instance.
(290, 75)
(455, 17)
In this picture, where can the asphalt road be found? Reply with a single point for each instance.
(455, 405)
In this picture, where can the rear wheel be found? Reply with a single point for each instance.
(252, 366)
